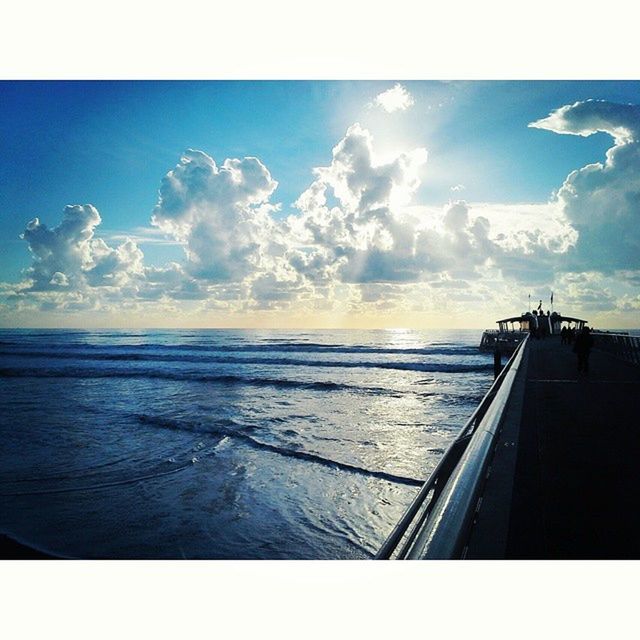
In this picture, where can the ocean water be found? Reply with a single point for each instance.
(225, 443)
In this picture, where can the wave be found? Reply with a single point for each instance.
(190, 376)
(269, 347)
(220, 429)
(439, 367)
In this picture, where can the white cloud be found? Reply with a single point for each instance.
(269, 291)
(363, 238)
(220, 213)
(589, 291)
(395, 99)
(590, 116)
(114, 267)
(64, 250)
(602, 200)
(629, 303)
(239, 254)
(58, 279)
(357, 242)
(140, 235)
(372, 236)
(69, 257)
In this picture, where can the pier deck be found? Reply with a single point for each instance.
(565, 477)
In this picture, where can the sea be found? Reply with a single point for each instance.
(225, 444)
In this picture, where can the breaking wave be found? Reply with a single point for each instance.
(220, 429)
(230, 379)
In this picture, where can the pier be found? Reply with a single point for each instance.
(546, 468)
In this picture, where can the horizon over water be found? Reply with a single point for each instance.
(221, 443)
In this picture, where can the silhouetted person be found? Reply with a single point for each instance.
(563, 335)
(497, 361)
(543, 326)
(571, 335)
(534, 326)
(582, 348)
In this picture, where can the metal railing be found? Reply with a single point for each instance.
(442, 508)
(509, 339)
(620, 345)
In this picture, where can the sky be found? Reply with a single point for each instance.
(384, 204)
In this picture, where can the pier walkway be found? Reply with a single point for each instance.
(564, 481)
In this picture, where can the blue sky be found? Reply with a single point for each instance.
(109, 144)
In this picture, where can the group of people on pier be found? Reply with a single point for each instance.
(540, 327)
(580, 339)
(582, 342)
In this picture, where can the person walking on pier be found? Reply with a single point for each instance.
(497, 361)
(582, 348)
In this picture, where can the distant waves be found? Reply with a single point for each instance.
(186, 376)
(21, 346)
(442, 367)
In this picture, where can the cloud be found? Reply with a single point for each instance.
(140, 235)
(169, 282)
(530, 242)
(602, 200)
(629, 303)
(590, 116)
(62, 254)
(68, 257)
(395, 99)
(233, 246)
(362, 238)
(114, 267)
(269, 291)
(589, 291)
(354, 240)
(370, 235)
(220, 213)
(357, 242)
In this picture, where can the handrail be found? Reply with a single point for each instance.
(621, 345)
(437, 481)
(445, 534)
